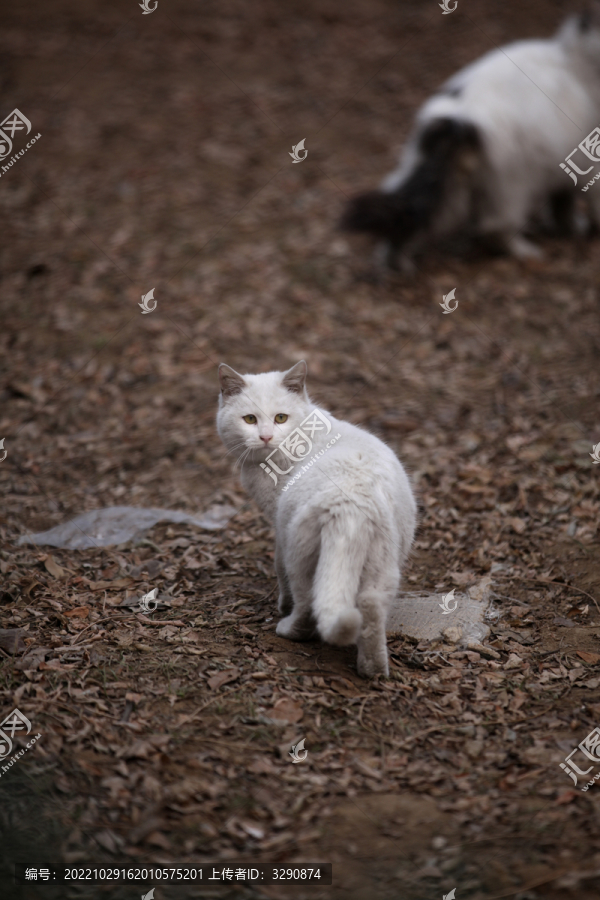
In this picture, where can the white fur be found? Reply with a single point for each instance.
(532, 102)
(343, 530)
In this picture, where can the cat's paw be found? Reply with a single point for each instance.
(369, 667)
(294, 629)
(521, 248)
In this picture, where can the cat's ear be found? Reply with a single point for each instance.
(231, 381)
(294, 379)
(590, 17)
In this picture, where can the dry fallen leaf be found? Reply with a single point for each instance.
(109, 840)
(56, 664)
(480, 591)
(53, 567)
(223, 677)
(514, 662)
(116, 585)
(566, 623)
(33, 659)
(591, 658)
(33, 588)
(254, 829)
(453, 633)
(80, 612)
(566, 797)
(344, 687)
(463, 578)
(264, 766)
(286, 710)
(138, 750)
(517, 524)
(158, 839)
(11, 640)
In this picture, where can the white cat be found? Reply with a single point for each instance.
(484, 156)
(342, 506)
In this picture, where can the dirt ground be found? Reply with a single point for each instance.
(163, 163)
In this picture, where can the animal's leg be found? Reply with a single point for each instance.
(522, 248)
(285, 603)
(299, 625)
(562, 209)
(374, 600)
(506, 218)
(592, 197)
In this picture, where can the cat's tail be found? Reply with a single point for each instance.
(344, 547)
(400, 214)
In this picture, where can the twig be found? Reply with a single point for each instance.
(233, 605)
(360, 712)
(420, 734)
(97, 622)
(176, 622)
(239, 602)
(212, 700)
(212, 596)
(561, 583)
(532, 884)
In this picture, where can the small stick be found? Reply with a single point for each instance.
(362, 706)
(563, 584)
(107, 619)
(212, 699)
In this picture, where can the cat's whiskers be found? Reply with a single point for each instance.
(236, 447)
(241, 460)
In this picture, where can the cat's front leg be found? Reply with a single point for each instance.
(285, 603)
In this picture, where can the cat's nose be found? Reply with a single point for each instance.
(266, 438)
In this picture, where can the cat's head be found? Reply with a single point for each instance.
(257, 412)
(582, 33)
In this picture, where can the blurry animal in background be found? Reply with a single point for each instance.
(343, 529)
(484, 157)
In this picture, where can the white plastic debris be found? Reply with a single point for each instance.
(118, 524)
(421, 615)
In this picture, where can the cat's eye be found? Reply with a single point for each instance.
(250, 419)
(280, 418)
